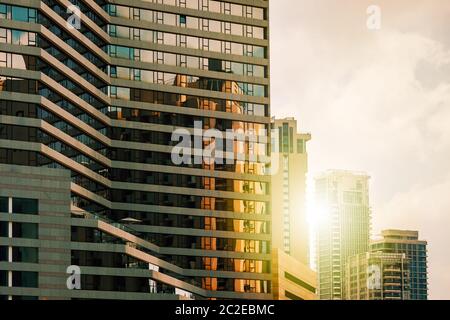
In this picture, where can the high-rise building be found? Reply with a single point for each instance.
(407, 242)
(343, 230)
(377, 276)
(291, 279)
(290, 231)
(97, 90)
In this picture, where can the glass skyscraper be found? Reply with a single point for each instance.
(342, 200)
(97, 99)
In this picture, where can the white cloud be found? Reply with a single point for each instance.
(424, 208)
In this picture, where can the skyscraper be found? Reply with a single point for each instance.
(290, 228)
(97, 95)
(377, 276)
(407, 242)
(343, 230)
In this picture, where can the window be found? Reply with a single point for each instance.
(301, 283)
(3, 204)
(183, 19)
(26, 206)
(3, 229)
(3, 278)
(3, 11)
(25, 279)
(291, 296)
(20, 14)
(300, 146)
(25, 230)
(25, 254)
(3, 253)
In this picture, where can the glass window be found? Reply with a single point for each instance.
(192, 4)
(20, 14)
(258, 13)
(25, 279)
(25, 254)
(3, 229)
(3, 278)
(3, 11)
(236, 9)
(27, 206)
(169, 19)
(146, 56)
(192, 23)
(123, 12)
(3, 204)
(3, 253)
(25, 230)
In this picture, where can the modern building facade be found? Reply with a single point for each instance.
(290, 230)
(96, 100)
(291, 279)
(407, 242)
(342, 201)
(377, 276)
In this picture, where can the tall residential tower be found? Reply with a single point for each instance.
(93, 91)
(292, 277)
(343, 230)
(290, 228)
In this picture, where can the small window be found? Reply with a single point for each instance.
(3, 229)
(25, 254)
(3, 253)
(300, 146)
(25, 279)
(25, 230)
(3, 278)
(26, 206)
(183, 19)
(3, 204)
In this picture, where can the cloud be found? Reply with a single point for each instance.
(424, 208)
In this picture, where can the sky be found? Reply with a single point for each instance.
(376, 101)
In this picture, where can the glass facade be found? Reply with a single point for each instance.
(408, 243)
(103, 100)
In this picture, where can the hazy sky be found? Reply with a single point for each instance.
(376, 101)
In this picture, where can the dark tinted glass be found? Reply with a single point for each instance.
(3, 229)
(3, 278)
(25, 279)
(27, 206)
(3, 204)
(3, 253)
(25, 254)
(25, 230)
